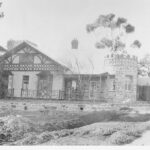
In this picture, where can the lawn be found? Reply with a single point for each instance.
(53, 127)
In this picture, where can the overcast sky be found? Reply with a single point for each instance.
(52, 24)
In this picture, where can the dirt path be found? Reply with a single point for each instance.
(144, 140)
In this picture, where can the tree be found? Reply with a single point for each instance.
(144, 66)
(118, 29)
(2, 78)
(76, 67)
(1, 12)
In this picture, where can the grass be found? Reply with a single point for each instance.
(35, 127)
(116, 133)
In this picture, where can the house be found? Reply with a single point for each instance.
(31, 74)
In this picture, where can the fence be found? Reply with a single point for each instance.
(54, 94)
(61, 95)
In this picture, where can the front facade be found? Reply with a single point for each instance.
(32, 74)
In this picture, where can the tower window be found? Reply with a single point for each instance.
(128, 82)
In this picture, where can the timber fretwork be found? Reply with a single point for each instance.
(19, 61)
(31, 67)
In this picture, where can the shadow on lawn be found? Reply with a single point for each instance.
(114, 116)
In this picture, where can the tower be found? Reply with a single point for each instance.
(124, 67)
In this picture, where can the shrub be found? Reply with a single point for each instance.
(25, 108)
(30, 140)
(134, 132)
(125, 109)
(13, 106)
(44, 137)
(119, 138)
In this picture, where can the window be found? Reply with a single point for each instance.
(25, 83)
(128, 82)
(10, 82)
(26, 59)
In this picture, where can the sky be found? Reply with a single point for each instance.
(52, 24)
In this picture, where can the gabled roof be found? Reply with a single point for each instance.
(23, 45)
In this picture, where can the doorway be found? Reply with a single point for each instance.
(45, 81)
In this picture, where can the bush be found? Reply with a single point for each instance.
(134, 132)
(29, 140)
(45, 136)
(13, 106)
(120, 138)
(126, 109)
(25, 108)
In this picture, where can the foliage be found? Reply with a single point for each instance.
(3, 83)
(25, 107)
(136, 43)
(143, 66)
(118, 28)
(120, 138)
(1, 13)
(2, 78)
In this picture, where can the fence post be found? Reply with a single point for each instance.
(21, 92)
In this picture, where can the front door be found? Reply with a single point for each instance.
(25, 86)
(45, 87)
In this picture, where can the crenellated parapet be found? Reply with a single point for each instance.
(120, 59)
(121, 56)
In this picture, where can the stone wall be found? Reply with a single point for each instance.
(123, 66)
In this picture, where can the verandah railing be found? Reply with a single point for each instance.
(58, 95)
(54, 94)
